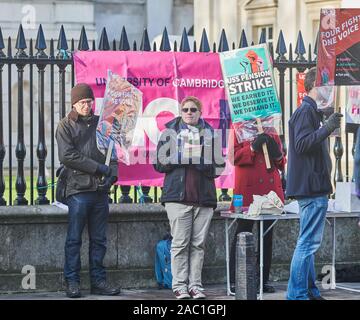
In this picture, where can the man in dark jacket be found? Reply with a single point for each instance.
(189, 153)
(308, 181)
(88, 181)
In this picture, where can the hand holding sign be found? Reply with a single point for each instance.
(251, 91)
(118, 119)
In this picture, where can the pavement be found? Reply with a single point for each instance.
(213, 292)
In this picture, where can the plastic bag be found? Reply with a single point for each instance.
(266, 204)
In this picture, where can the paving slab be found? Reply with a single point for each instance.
(214, 292)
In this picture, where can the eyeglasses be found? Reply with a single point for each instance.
(86, 102)
(186, 110)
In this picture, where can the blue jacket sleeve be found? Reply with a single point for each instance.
(307, 138)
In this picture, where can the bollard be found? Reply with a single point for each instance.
(245, 267)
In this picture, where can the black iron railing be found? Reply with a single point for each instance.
(60, 64)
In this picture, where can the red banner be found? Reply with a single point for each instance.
(339, 47)
(301, 93)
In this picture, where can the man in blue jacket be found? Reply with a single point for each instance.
(308, 181)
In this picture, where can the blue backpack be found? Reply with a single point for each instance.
(163, 263)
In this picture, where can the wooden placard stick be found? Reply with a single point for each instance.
(109, 152)
(337, 99)
(337, 132)
(264, 146)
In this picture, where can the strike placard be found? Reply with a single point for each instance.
(249, 83)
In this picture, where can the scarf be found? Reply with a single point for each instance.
(190, 141)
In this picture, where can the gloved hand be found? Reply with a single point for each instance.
(259, 141)
(106, 184)
(273, 148)
(333, 122)
(103, 170)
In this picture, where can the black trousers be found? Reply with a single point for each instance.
(247, 226)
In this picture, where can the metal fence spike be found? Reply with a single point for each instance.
(104, 41)
(31, 49)
(204, 42)
(52, 48)
(83, 42)
(223, 43)
(9, 51)
(62, 42)
(165, 42)
(300, 48)
(262, 36)
(20, 44)
(20, 40)
(316, 45)
(124, 42)
(2, 45)
(145, 43)
(184, 43)
(281, 48)
(40, 44)
(243, 41)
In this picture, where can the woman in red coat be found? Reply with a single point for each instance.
(252, 177)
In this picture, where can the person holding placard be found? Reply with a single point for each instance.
(189, 153)
(252, 177)
(88, 181)
(309, 182)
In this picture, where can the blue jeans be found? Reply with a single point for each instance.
(302, 270)
(93, 208)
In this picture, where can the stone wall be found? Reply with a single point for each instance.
(35, 235)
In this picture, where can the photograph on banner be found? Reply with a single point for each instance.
(352, 113)
(164, 79)
(338, 59)
(251, 90)
(118, 116)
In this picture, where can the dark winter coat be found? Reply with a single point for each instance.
(78, 152)
(175, 173)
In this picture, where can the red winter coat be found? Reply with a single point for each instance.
(251, 175)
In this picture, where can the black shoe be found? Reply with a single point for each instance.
(266, 288)
(312, 297)
(73, 290)
(104, 289)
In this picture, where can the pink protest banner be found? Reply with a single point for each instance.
(164, 78)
